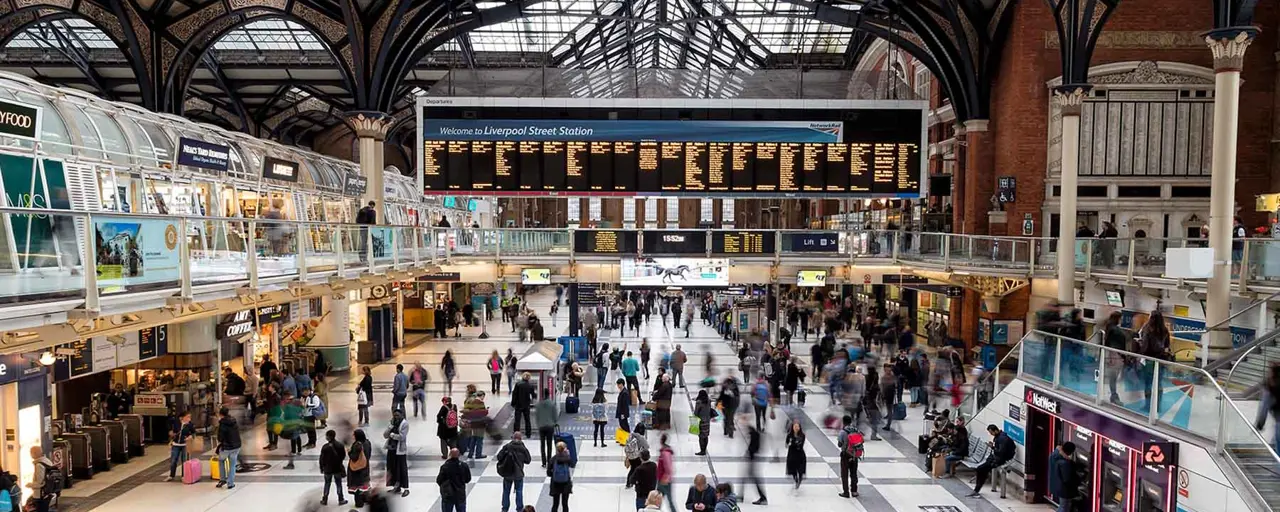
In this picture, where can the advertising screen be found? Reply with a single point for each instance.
(856, 149)
(535, 276)
(812, 278)
(683, 272)
(1115, 298)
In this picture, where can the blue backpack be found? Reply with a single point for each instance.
(560, 473)
(762, 394)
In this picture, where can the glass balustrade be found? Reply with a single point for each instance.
(276, 247)
(219, 250)
(44, 256)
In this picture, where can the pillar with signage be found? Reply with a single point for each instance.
(371, 130)
(333, 332)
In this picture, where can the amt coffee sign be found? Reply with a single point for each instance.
(19, 120)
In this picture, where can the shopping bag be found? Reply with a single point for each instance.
(695, 424)
(939, 465)
(215, 467)
(621, 436)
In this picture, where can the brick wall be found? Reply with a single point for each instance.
(1020, 99)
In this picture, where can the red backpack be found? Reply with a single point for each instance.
(451, 418)
(853, 445)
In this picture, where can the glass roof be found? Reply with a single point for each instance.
(74, 32)
(269, 35)
(693, 34)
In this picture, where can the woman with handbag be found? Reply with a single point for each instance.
(358, 467)
(702, 409)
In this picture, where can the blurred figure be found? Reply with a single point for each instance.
(753, 471)
(548, 413)
(450, 370)
(1270, 405)
(666, 471)
(418, 379)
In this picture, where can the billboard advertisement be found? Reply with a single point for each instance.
(675, 272)
(133, 251)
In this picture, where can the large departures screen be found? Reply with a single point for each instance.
(515, 147)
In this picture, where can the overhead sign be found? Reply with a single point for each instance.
(905, 279)
(205, 155)
(743, 242)
(273, 314)
(811, 242)
(236, 324)
(1042, 401)
(1006, 189)
(278, 169)
(19, 120)
(1159, 454)
(675, 242)
(813, 278)
(441, 277)
(535, 276)
(17, 366)
(355, 184)
(153, 341)
(604, 241)
(79, 360)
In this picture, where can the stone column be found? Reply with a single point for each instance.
(979, 176)
(1228, 47)
(957, 181)
(1069, 99)
(371, 132)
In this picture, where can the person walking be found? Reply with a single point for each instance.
(453, 479)
(447, 426)
(1003, 450)
(644, 356)
(701, 497)
(397, 448)
(358, 467)
(666, 470)
(512, 459)
(522, 397)
(851, 449)
(509, 363)
(399, 388)
(760, 398)
(729, 398)
(178, 436)
(228, 449)
(725, 500)
(561, 472)
(702, 409)
(630, 371)
(1064, 479)
(890, 393)
(637, 444)
(644, 478)
(548, 415)
(678, 360)
(754, 442)
(599, 418)
(449, 369)
(495, 365)
(332, 458)
(797, 462)
(623, 411)
(43, 488)
(271, 403)
(418, 379)
(290, 421)
(1270, 405)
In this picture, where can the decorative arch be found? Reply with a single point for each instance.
(200, 30)
(285, 117)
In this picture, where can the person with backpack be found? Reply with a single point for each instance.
(453, 479)
(601, 364)
(358, 467)
(312, 408)
(447, 426)
(644, 478)
(228, 449)
(178, 436)
(10, 491)
(725, 500)
(760, 399)
(47, 479)
(599, 418)
(1003, 450)
(851, 449)
(332, 464)
(511, 460)
(560, 471)
(637, 444)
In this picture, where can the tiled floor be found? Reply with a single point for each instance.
(891, 475)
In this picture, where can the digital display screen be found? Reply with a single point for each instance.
(1115, 298)
(811, 242)
(604, 242)
(743, 242)
(811, 278)
(870, 152)
(675, 242)
(683, 272)
(535, 276)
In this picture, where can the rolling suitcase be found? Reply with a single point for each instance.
(899, 411)
(801, 395)
(570, 442)
(922, 444)
(191, 471)
(571, 405)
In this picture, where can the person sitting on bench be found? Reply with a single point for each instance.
(1002, 451)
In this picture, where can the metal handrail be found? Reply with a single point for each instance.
(995, 372)
(1224, 398)
(1254, 345)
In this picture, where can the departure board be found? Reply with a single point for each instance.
(604, 242)
(860, 150)
(675, 242)
(743, 242)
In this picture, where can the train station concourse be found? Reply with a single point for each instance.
(616, 255)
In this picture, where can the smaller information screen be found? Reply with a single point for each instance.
(743, 242)
(604, 241)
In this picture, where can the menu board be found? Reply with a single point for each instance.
(743, 242)
(878, 158)
(604, 241)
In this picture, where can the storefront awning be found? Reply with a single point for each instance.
(543, 355)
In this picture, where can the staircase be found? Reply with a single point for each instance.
(1251, 371)
(1261, 469)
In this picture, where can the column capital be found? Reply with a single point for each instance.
(1228, 46)
(976, 125)
(1070, 97)
(369, 124)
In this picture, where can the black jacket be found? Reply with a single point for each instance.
(1004, 449)
(645, 478)
(707, 498)
(522, 395)
(1064, 481)
(332, 456)
(517, 450)
(235, 385)
(453, 479)
(624, 405)
(228, 434)
(367, 215)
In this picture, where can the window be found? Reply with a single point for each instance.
(706, 211)
(673, 213)
(726, 212)
(574, 210)
(594, 207)
(651, 211)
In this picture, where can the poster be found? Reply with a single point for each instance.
(135, 251)
(104, 354)
(27, 185)
(675, 272)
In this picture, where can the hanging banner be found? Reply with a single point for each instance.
(205, 155)
(19, 120)
(132, 251)
(355, 184)
(278, 169)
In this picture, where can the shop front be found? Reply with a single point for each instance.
(24, 408)
(932, 313)
(1123, 467)
(376, 332)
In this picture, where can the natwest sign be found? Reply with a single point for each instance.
(1042, 401)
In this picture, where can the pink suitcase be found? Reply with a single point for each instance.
(191, 471)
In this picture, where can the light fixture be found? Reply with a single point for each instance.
(47, 358)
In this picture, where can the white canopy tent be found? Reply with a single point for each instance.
(543, 359)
